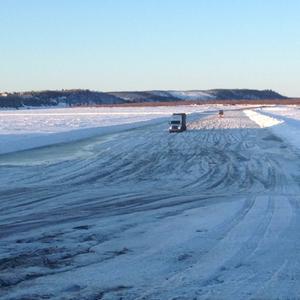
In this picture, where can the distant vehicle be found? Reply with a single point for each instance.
(221, 113)
(178, 123)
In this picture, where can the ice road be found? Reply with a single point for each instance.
(211, 213)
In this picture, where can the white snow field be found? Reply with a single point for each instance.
(26, 129)
(210, 213)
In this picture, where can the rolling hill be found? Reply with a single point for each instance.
(79, 97)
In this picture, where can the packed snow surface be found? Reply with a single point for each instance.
(210, 213)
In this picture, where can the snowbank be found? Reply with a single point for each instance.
(262, 120)
(286, 128)
(290, 111)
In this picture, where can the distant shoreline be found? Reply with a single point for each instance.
(291, 101)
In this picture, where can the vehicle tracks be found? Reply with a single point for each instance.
(211, 213)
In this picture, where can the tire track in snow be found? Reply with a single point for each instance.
(144, 179)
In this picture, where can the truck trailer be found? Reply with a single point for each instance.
(178, 122)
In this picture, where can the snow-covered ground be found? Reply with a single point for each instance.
(211, 213)
(290, 111)
(25, 129)
(284, 121)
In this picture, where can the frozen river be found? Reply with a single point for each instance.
(211, 213)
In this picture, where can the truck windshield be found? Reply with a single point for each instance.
(175, 122)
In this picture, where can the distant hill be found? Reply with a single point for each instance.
(198, 95)
(87, 97)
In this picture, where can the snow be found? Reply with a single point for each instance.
(262, 120)
(191, 95)
(284, 122)
(26, 129)
(289, 111)
(211, 213)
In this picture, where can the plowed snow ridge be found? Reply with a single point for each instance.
(285, 127)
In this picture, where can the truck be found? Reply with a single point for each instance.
(178, 122)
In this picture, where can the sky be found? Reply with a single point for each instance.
(112, 45)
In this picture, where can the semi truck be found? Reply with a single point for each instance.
(178, 122)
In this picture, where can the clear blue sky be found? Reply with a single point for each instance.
(150, 44)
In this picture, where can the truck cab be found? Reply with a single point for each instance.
(178, 122)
